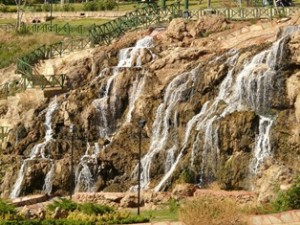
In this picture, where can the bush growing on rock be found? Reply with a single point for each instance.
(289, 199)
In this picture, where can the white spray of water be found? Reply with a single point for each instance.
(37, 153)
(105, 105)
(137, 89)
(166, 112)
(47, 188)
(250, 90)
(84, 176)
(262, 147)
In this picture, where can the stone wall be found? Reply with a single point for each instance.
(284, 218)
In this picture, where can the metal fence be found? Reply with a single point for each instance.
(247, 13)
(65, 29)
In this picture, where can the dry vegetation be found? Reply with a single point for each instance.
(208, 210)
(14, 45)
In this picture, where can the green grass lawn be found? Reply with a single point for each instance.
(160, 215)
(76, 22)
(6, 21)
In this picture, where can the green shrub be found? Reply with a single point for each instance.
(90, 209)
(46, 222)
(6, 208)
(99, 5)
(37, 8)
(46, 7)
(289, 199)
(173, 206)
(3, 8)
(64, 204)
(90, 6)
(186, 176)
(68, 8)
(107, 4)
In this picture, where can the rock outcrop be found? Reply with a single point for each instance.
(213, 114)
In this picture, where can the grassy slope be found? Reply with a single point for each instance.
(13, 46)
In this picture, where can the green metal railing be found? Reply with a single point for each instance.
(65, 29)
(41, 81)
(97, 34)
(247, 13)
(105, 33)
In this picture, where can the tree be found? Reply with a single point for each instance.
(20, 11)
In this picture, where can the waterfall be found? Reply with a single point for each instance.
(38, 153)
(47, 188)
(170, 158)
(249, 89)
(262, 147)
(166, 120)
(137, 89)
(132, 57)
(105, 105)
(86, 169)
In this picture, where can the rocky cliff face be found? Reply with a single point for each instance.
(220, 108)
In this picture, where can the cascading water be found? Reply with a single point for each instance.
(136, 91)
(47, 188)
(128, 57)
(105, 105)
(165, 120)
(85, 176)
(250, 89)
(38, 152)
(262, 147)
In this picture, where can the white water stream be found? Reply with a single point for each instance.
(85, 178)
(127, 58)
(105, 105)
(250, 89)
(38, 152)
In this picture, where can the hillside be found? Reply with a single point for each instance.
(221, 102)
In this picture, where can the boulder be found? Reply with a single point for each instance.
(130, 201)
(177, 29)
(206, 25)
(182, 191)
